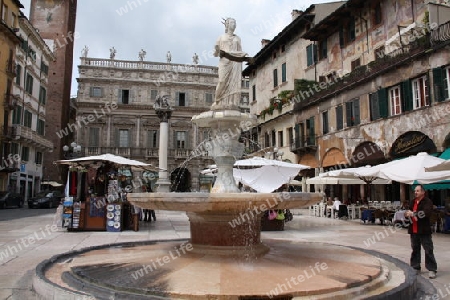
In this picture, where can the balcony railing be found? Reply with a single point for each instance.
(441, 34)
(304, 144)
(146, 65)
(20, 132)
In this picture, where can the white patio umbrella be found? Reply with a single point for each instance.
(406, 170)
(119, 160)
(265, 175)
(261, 174)
(343, 180)
(412, 168)
(443, 166)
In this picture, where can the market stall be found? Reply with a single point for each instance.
(96, 193)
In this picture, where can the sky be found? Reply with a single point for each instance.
(183, 27)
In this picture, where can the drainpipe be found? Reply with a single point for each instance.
(412, 10)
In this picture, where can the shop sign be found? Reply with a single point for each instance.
(23, 168)
(412, 143)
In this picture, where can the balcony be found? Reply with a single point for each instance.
(27, 135)
(10, 101)
(441, 35)
(307, 144)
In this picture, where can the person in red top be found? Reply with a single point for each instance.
(420, 212)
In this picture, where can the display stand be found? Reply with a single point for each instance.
(114, 217)
(95, 213)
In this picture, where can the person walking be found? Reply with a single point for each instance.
(419, 213)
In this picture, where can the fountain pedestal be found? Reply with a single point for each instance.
(224, 233)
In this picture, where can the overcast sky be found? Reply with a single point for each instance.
(183, 27)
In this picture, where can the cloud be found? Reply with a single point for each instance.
(179, 26)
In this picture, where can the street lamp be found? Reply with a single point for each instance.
(73, 151)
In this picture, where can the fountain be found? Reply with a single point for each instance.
(224, 257)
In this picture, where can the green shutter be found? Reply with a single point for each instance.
(348, 113)
(312, 132)
(407, 99)
(356, 112)
(383, 103)
(117, 137)
(297, 135)
(438, 80)
(309, 55)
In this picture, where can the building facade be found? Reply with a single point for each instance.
(28, 118)
(55, 21)
(9, 14)
(115, 114)
(272, 82)
(375, 88)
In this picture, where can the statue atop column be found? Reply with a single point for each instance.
(162, 107)
(228, 48)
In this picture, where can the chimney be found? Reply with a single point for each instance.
(264, 42)
(295, 13)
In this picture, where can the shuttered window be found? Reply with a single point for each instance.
(94, 137)
(311, 56)
(152, 139)
(339, 117)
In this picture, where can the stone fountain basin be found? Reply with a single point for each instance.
(221, 202)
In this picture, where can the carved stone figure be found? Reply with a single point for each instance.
(162, 102)
(84, 51)
(142, 54)
(228, 48)
(169, 57)
(195, 59)
(112, 53)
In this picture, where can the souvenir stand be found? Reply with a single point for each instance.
(96, 192)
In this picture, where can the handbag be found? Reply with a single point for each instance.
(272, 214)
(280, 215)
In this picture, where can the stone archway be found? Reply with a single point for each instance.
(333, 157)
(367, 153)
(180, 179)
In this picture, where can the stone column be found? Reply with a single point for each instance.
(164, 112)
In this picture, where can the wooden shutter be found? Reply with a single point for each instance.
(438, 80)
(383, 101)
(356, 112)
(312, 132)
(119, 96)
(407, 99)
(339, 117)
(348, 113)
(297, 140)
(177, 99)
